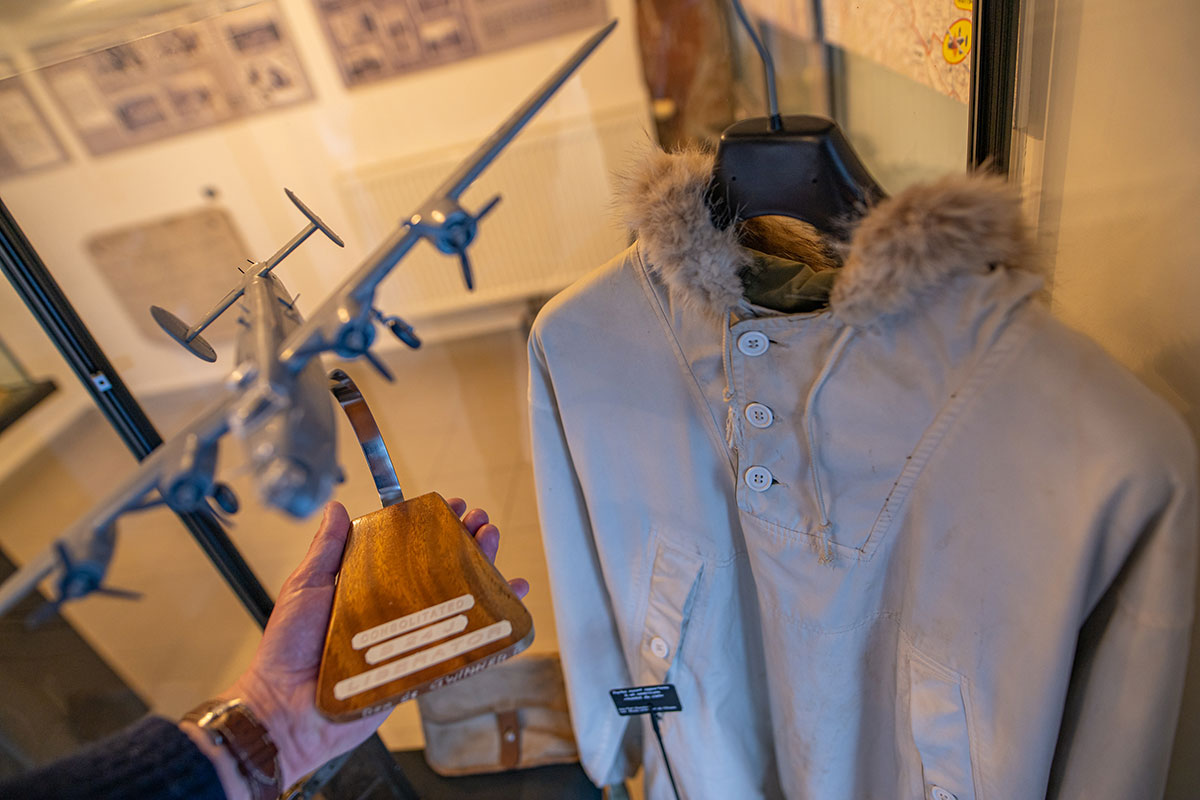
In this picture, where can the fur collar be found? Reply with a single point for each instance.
(899, 252)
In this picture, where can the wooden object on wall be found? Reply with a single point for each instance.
(417, 607)
(181, 262)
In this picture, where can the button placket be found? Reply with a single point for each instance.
(751, 343)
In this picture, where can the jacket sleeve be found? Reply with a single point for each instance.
(151, 759)
(589, 644)
(1123, 703)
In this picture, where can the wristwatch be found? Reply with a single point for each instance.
(232, 725)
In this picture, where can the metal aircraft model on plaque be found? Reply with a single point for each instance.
(447, 612)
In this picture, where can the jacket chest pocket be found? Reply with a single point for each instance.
(674, 583)
(938, 705)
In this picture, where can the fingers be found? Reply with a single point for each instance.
(474, 519)
(324, 555)
(487, 535)
(488, 538)
(520, 587)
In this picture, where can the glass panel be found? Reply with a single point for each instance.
(904, 131)
(155, 143)
(144, 147)
(895, 80)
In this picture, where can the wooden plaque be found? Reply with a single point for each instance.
(417, 607)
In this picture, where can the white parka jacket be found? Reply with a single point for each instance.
(923, 542)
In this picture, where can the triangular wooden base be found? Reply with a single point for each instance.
(417, 607)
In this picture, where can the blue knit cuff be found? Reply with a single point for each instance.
(149, 759)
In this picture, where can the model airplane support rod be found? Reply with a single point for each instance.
(351, 302)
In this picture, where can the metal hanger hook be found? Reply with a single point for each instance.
(768, 65)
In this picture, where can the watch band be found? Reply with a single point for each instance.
(232, 725)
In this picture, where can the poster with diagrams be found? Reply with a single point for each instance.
(174, 72)
(27, 142)
(377, 39)
(927, 40)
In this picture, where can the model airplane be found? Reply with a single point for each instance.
(270, 400)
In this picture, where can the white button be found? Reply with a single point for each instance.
(938, 793)
(658, 646)
(759, 415)
(753, 343)
(759, 478)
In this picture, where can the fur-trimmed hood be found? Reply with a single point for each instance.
(902, 249)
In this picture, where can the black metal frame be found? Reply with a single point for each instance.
(993, 83)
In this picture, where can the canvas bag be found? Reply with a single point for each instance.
(510, 716)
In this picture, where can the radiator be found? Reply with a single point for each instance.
(554, 222)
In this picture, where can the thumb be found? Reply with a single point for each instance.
(324, 556)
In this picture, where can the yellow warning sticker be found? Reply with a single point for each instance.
(956, 45)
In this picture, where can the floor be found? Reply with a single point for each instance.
(454, 422)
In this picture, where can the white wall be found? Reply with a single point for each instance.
(1119, 206)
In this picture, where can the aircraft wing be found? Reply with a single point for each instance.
(173, 467)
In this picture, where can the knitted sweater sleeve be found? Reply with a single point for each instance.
(149, 759)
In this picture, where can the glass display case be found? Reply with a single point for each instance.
(145, 149)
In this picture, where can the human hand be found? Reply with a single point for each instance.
(280, 685)
(487, 536)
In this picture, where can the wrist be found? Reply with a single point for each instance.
(274, 714)
(236, 737)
